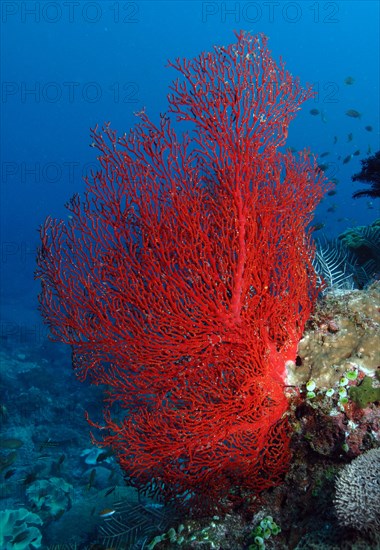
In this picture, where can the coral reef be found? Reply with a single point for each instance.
(366, 392)
(357, 498)
(369, 174)
(343, 334)
(330, 428)
(19, 531)
(363, 244)
(50, 497)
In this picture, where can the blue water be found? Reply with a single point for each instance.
(67, 66)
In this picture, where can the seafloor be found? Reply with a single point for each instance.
(60, 492)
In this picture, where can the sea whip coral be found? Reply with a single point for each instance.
(183, 280)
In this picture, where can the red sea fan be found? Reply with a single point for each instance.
(183, 280)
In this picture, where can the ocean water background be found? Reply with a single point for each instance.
(67, 66)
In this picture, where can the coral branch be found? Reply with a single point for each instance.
(183, 280)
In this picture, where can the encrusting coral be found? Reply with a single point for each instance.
(342, 335)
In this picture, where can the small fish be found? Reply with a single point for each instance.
(349, 137)
(47, 444)
(61, 459)
(323, 117)
(323, 167)
(110, 491)
(353, 113)
(324, 154)
(3, 412)
(335, 180)
(91, 479)
(318, 226)
(43, 457)
(347, 159)
(370, 205)
(314, 112)
(104, 455)
(107, 513)
(11, 443)
(368, 128)
(332, 208)
(331, 193)
(29, 478)
(9, 474)
(349, 80)
(7, 461)
(335, 140)
(356, 153)
(369, 150)
(20, 537)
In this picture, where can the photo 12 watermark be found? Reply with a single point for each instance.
(21, 253)
(31, 173)
(69, 92)
(23, 334)
(70, 11)
(270, 12)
